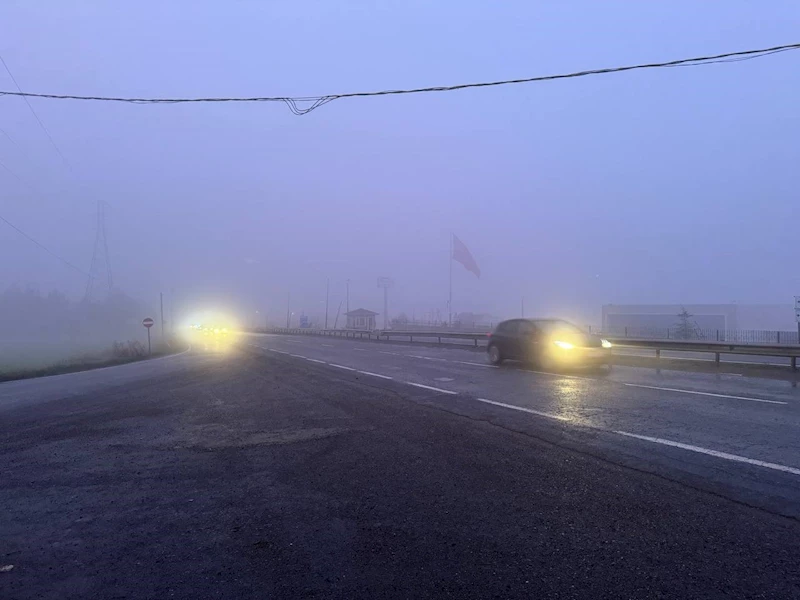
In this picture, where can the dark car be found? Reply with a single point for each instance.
(549, 343)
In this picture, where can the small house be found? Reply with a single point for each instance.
(360, 318)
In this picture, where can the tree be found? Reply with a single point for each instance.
(686, 328)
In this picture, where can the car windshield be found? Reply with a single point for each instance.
(555, 326)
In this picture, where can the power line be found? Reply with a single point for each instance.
(38, 120)
(296, 103)
(42, 246)
(14, 175)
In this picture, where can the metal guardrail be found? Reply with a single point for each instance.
(716, 348)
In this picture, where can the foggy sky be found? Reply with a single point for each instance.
(666, 186)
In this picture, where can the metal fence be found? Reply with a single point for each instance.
(737, 336)
(460, 326)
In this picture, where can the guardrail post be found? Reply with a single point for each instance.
(411, 338)
(626, 331)
(716, 358)
(794, 363)
(476, 342)
(779, 337)
(440, 339)
(658, 352)
(717, 334)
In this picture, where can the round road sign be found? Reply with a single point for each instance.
(148, 322)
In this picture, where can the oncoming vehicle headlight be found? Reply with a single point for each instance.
(605, 343)
(564, 345)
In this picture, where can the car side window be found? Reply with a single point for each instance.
(526, 328)
(506, 327)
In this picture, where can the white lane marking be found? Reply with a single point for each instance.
(430, 387)
(327, 345)
(292, 342)
(715, 453)
(561, 375)
(392, 353)
(523, 409)
(360, 350)
(342, 367)
(278, 351)
(425, 357)
(376, 375)
(322, 362)
(443, 379)
(665, 389)
(297, 355)
(474, 364)
(682, 446)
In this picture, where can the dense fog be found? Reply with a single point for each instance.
(661, 186)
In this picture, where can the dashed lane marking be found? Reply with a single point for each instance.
(426, 357)
(474, 364)
(322, 362)
(376, 375)
(342, 367)
(523, 409)
(715, 453)
(297, 355)
(430, 387)
(662, 441)
(665, 389)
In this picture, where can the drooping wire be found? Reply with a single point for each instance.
(35, 115)
(43, 247)
(305, 104)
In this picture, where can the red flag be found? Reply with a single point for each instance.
(462, 254)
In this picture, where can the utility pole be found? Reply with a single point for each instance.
(385, 283)
(99, 254)
(288, 308)
(161, 294)
(327, 295)
(347, 303)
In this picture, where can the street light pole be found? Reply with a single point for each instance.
(347, 303)
(327, 294)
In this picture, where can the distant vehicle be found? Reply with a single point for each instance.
(549, 343)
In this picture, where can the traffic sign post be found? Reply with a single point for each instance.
(148, 323)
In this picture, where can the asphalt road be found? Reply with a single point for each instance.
(300, 467)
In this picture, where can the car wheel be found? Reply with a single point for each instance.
(495, 358)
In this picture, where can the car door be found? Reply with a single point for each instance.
(505, 336)
(528, 340)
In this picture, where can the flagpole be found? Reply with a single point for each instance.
(450, 294)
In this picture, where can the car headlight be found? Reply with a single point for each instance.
(564, 345)
(605, 343)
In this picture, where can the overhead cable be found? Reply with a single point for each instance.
(301, 105)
